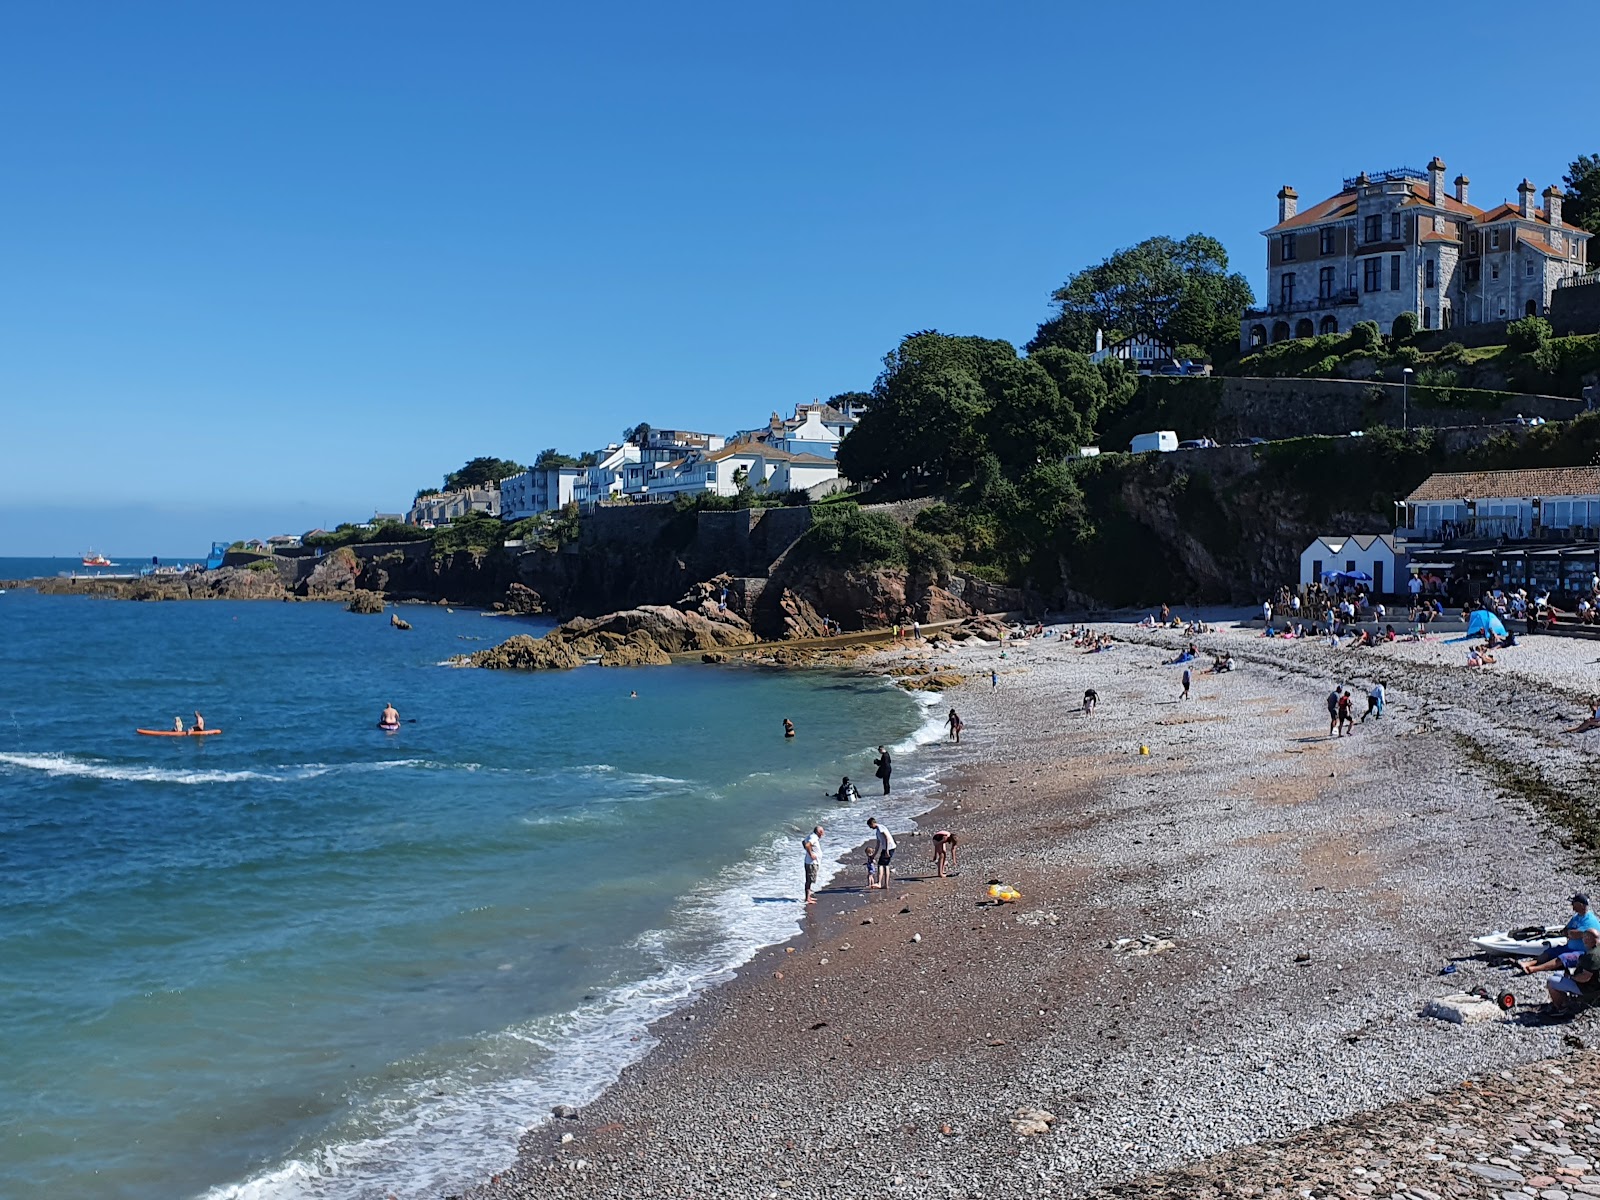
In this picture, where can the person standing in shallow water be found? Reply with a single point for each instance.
(956, 726)
(788, 728)
(813, 859)
(884, 768)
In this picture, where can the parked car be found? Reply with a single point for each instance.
(1204, 443)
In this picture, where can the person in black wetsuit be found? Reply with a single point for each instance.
(884, 768)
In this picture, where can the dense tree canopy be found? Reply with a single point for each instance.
(1582, 205)
(637, 435)
(481, 472)
(953, 411)
(1177, 291)
(551, 458)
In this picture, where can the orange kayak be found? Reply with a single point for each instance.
(175, 733)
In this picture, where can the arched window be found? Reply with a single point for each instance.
(1303, 328)
(1329, 325)
(1532, 308)
(1258, 335)
(1280, 331)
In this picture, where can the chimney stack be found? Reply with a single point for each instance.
(1552, 206)
(1525, 191)
(1288, 203)
(1435, 180)
(1461, 188)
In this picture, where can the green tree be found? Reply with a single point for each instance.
(636, 435)
(1177, 291)
(1528, 334)
(481, 472)
(552, 458)
(1582, 204)
(926, 423)
(1405, 327)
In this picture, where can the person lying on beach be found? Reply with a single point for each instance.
(1149, 622)
(1581, 921)
(944, 842)
(1479, 658)
(1580, 985)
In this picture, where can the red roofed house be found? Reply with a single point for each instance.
(1397, 242)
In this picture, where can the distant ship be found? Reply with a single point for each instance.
(95, 559)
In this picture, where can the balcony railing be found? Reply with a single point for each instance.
(1331, 300)
(1579, 280)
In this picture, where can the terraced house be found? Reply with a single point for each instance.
(1399, 241)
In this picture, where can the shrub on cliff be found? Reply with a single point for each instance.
(1366, 337)
(1405, 327)
(1527, 335)
(844, 535)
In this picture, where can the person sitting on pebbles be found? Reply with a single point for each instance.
(1550, 959)
(1579, 986)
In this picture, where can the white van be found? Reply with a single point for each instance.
(1164, 439)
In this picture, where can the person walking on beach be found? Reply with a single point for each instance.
(956, 726)
(884, 768)
(1333, 710)
(916, 631)
(885, 852)
(1375, 700)
(1186, 682)
(1091, 700)
(944, 842)
(812, 846)
(1347, 719)
(994, 679)
(788, 728)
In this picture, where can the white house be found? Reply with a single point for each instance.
(537, 490)
(1375, 553)
(809, 435)
(1504, 504)
(720, 472)
(606, 480)
(1141, 351)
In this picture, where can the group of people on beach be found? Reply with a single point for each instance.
(1341, 708)
(879, 854)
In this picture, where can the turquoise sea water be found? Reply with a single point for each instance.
(306, 958)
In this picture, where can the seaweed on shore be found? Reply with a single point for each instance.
(1573, 817)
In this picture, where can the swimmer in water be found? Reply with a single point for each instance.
(633, 695)
(788, 728)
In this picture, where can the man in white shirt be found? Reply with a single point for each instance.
(885, 852)
(813, 852)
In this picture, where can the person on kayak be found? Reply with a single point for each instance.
(199, 722)
(390, 716)
(177, 724)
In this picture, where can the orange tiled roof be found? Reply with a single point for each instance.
(1541, 243)
(1332, 209)
(1432, 236)
(1509, 485)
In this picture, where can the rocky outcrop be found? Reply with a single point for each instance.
(520, 598)
(334, 574)
(367, 603)
(646, 636)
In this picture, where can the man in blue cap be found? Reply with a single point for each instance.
(1551, 959)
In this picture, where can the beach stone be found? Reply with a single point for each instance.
(564, 1112)
(1458, 1008)
(1494, 1174)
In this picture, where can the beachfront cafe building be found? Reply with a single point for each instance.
(1537, 529)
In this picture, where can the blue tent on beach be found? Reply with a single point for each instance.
(1482, 623)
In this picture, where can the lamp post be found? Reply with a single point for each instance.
(1405, 399)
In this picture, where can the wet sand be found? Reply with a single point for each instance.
(1224, 941)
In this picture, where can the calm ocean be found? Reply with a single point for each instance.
(309, 959)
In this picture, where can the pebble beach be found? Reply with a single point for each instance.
(1230, 925)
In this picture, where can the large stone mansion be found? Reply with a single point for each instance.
(1397, 242)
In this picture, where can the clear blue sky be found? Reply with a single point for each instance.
(272, 265)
